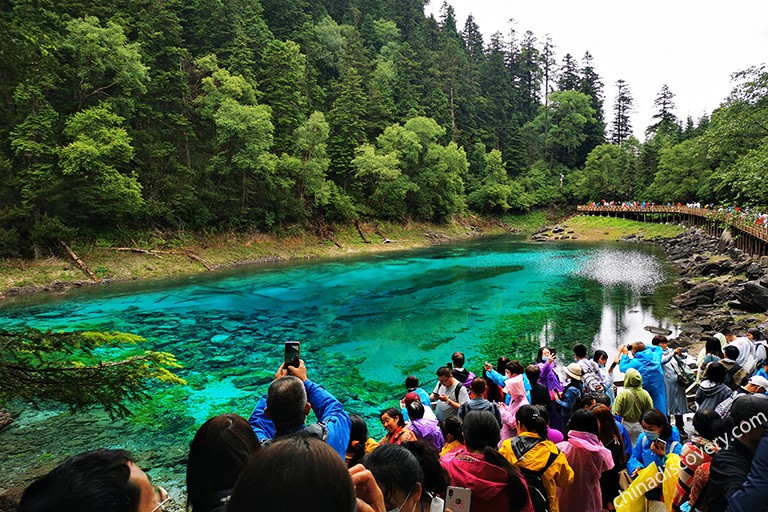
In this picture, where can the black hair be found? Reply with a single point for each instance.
(481, 432)
(458, 359)
(731, 352)
(533, 373)
(580, 350)
(756, 334)
(492, 390)
(319, 480)
(531, 418)
(411, 382)
(658, 419)
(478, 386)
(286, 402)
(359, 433)
(218, 453)
(705, 423)
(658, 340)
(585, 400)
(415, 410)
(452, 425)
(515, 368)
(584, 421)
(501, 364)
(599, 354)
(93, 481)
(395, 469)
(540, 353)
(444, 371)
(715, 373)
(393, 413)
(436, 477)
(713, 345)
(602, 398)
(727, 332)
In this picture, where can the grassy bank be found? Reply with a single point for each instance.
(221, 250)
(590, 228)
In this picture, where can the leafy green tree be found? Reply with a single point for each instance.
(98, 63)
(81, 369)
(382, 184)
(566, 115)
(681, 171)
(99, 193)
(608, 173)
(496, 192)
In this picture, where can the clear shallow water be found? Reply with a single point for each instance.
(364, 325)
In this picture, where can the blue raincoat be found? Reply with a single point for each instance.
(648, 363)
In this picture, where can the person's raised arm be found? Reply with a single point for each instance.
(327, 409)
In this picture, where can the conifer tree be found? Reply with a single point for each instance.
(622, 107)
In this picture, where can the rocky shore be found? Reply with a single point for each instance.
(720, 286)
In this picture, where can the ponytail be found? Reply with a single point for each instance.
(516, 489)
(533, 420)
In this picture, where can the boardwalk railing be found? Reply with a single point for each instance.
(749, 237)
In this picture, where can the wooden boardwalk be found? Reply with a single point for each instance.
(748, 237)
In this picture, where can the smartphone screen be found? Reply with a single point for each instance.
(292, 353)
(458, 498)
(661, 444)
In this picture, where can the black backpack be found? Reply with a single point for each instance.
(536, 489)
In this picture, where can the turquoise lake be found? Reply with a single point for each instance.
(364, 324)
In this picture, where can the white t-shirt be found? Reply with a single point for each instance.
(444, 409)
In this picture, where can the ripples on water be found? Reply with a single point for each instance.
(633, 269)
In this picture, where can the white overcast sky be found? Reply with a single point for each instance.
(692, 46)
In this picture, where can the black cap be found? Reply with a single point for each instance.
(752, 408)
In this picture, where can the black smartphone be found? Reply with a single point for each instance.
(292, 353)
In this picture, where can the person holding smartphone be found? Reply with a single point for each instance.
(283, 410)
(658, 440)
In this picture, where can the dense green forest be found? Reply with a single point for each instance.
(258, 114)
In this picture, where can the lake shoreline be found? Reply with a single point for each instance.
(163, 256)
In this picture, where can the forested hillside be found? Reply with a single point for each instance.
(201, 114)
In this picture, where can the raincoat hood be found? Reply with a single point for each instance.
(633, 379)
(709, 388)
(515, 387)
(486, 480)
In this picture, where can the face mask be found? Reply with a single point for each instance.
(651, 436)
(397, 509)
(544, 359)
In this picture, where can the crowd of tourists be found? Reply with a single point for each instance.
(750, 216)
(555, 435)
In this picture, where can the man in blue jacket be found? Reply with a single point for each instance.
(283, 411)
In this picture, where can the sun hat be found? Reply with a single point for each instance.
(573, 371)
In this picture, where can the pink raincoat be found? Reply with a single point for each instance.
(487, 482)
(588, 458)
(515, 388)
